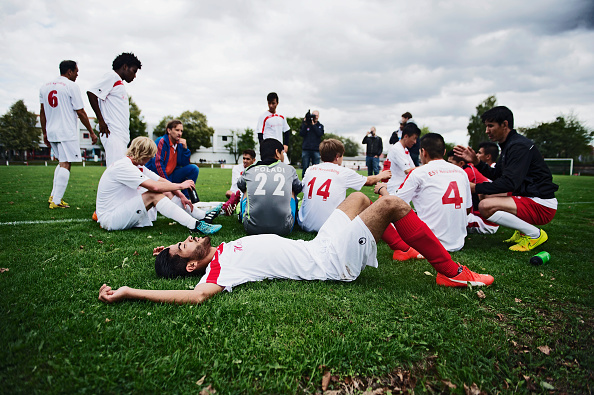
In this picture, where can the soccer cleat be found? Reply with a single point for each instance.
(53, 205)
(464, 278)
(400, 255)
(515, 237)
(526, 243)
(50, 199)
(94, 216)
(212, 214)
(207, 229)
(230, 205)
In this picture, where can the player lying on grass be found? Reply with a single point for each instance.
(128, 192)
(341, 250)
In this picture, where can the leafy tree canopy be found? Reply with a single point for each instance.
(476, 128)
(351, 148)
(17, 128)
(137, 124)
(245, 141)
(196, 130)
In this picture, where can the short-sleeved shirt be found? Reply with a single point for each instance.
(400, 160)
(440, 192)
(267, 189)
(236, 172)
(272, 126)
(120, 182)
(113, 103)
(61, 98)
(324, 188)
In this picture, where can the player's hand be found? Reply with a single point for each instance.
(466, 153)
(183, 142)
(103, 129)
(379, 186)
(385, 175)
(157, 250)
(108, 295)
(94, 138)
(472, 187)
(46, 141)
(187, 203)
(187, 184)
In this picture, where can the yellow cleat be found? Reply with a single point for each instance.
(53, 205)
(515, 237)
(527, 244)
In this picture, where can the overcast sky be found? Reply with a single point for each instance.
(360, 63)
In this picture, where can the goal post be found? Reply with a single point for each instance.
(560, 165)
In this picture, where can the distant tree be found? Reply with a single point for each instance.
(137, 124)
(565, 137)
(17, 129)
(244, 141)
(196, 130)
(351, 147)
(476, 128)
(296, 140)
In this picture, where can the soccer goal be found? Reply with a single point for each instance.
(560, 165)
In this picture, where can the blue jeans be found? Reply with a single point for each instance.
(306, 157)
(372, 165)
(181, 174)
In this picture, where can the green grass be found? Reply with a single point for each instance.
(392, 328)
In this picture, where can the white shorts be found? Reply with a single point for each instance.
(344, 247)
(477, 225)
(130, 214)
(115, 148)
(67, 151)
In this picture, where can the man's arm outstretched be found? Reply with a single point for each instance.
(195, 296)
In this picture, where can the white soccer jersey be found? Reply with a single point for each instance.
(324, 188)
(113, 103)
(61, 98)
(236, 172)
(440, 192)
(120, 182)
(400, 160)
(272, 126)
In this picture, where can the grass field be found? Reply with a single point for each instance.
(392, 329)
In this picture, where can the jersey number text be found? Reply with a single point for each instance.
(323, 190)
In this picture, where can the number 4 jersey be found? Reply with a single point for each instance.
(324, 188)
(60, 99)
(440, 192)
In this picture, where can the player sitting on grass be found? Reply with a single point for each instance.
(128, 190)
(521, 179)
(234, 194)
(325, 185)
(340, 251)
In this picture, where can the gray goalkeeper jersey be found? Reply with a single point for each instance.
(267, 189)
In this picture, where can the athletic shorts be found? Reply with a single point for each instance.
(129, 214)
(115, 148)
(532, 212)
(476, 224)
(67, 151)
(344, 247)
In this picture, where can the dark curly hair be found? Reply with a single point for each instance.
(126, 58)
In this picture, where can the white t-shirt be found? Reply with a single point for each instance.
(324, 188)
(272, 126)
(113, 103)
(236, 172)
(61, 98)
(440, 192)
(400, 160)
(120, 182)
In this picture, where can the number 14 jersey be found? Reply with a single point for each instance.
(440, 192)
(324, 188)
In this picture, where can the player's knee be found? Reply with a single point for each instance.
(486, 208)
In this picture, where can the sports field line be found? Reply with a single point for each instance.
(575, 202)
(52, 221)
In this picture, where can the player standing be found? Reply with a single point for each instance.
(272, 125)
(325, 185)
(109, 101)
(61, 103)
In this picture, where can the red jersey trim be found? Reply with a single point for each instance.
(118, 83)
(215, 266)
(267, 118)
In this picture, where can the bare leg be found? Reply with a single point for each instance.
(354, 204)
(384, 211)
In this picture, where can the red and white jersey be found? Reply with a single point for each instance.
(60, 99)
(236, 172)
(324, 188)
(272, 126)
(440, 192)
(113, 103)
(120, 182)
(400, 160)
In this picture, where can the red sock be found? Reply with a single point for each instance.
(393, 239)
(417, 234)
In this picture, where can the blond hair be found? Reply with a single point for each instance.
(141, 148)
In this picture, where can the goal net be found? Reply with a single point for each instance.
(560, 165)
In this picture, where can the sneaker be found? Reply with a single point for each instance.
(400, 255)
(526, 243)
(94, 216)
(207, 229)
(212, 214)
(53, 205)
(515, 237)
(464, 278)
(230, 205)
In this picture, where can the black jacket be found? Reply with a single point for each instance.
(312, 136)
(374, 145)
(520, 169)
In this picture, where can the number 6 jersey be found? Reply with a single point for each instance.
(440, 192)
(60, 99)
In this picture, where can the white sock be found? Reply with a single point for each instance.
(61, 182)
(511, 221)
(176, 213)
(197, 213)
(54, 181)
